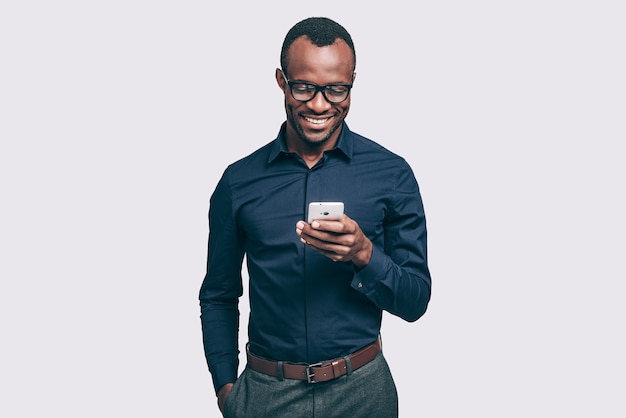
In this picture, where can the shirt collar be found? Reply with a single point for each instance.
(344, 143)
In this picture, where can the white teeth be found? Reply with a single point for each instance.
(316, 121)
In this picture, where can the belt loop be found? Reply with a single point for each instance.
(348, 365)
(279, 371)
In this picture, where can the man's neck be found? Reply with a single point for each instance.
(310, 154)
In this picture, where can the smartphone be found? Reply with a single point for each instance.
(325, 211)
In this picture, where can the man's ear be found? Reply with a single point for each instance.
(353, 76)
(280, 79)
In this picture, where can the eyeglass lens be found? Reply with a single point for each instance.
(333, 93)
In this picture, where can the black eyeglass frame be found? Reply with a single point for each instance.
(317, 88)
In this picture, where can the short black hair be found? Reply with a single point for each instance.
(322, 31)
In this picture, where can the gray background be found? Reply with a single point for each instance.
(117, 119)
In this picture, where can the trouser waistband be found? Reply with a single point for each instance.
(318, 372)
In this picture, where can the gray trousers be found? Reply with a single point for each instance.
(366, 392)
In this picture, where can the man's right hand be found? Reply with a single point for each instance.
(222, 393)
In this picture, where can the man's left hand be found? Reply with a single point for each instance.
(341, 240)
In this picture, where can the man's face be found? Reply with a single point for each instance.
(313, 123)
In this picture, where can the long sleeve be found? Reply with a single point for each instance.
(304, 307)
(221, 289)
(397, 279)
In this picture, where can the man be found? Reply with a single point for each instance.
(317, 291)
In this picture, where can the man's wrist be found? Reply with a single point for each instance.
(222, 393)
(364, 256)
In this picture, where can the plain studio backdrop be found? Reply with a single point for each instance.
(117, 119)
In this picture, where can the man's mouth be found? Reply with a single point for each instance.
(316, 121)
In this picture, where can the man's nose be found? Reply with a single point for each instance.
(319, 103)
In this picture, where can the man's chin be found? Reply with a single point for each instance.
(317, 138)
(315, 141)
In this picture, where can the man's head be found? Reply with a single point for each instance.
(318, 62)
(321, 31)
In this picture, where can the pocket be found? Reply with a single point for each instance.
(230, 412)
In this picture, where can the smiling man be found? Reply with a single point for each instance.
(314, 120)
(317, 290)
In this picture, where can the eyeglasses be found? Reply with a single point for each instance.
(303, 92)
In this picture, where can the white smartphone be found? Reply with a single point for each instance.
(325, 211)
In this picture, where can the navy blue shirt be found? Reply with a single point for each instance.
(304, 307)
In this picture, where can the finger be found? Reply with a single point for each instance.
(332, 226)
(330, 245)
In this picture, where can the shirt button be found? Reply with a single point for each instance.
(360, 285)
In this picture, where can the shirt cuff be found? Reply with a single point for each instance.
(366, 279)
(223, 373)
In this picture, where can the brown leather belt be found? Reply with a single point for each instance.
(318, 372)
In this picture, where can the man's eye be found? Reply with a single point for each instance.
(337, 90)
(303, 88)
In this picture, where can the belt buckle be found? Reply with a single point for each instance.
(310, 375)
